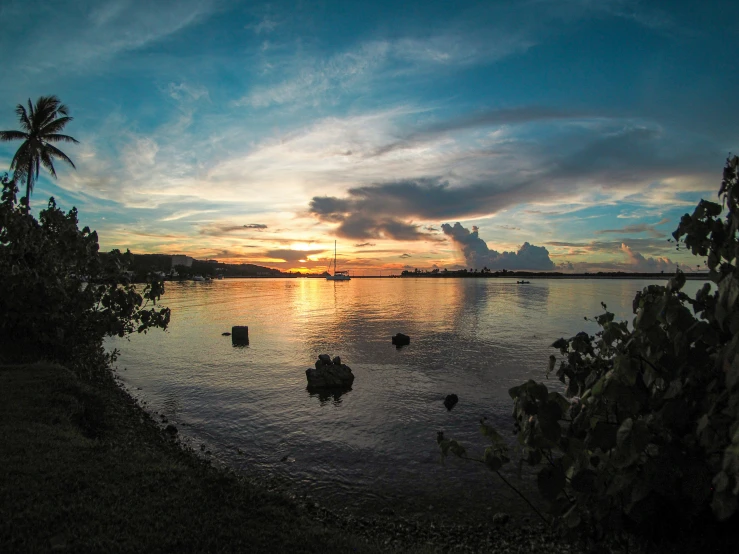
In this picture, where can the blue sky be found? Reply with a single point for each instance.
(558, 134)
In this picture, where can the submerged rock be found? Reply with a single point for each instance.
(329, 375)
(450, 401)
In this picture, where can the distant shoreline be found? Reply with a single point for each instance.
(510, 275)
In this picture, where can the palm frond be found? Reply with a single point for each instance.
(55, 125)
(46, 110)
(59, 138)
(20, 160)
(6, 136)
(55, 152)
(47, 162)
(23, 117)
(31, 114)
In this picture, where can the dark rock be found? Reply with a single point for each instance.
(336, 361)
(401, 340)
(226, 334)
(171, 429)
(450, 401)
(325, 359)
(240, 334)
(329, 376)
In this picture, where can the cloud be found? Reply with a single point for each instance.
(639, 263)
(101, 30)
(183, 214)
(265, 25)
(219, 229)
(291, 255)
(406, 255)
(186, 92)
(637, 228)
(321, 79)
(478, 255)
(360, 245)
(425, 198)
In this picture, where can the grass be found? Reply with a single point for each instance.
(86, 469)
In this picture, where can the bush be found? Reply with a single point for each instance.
(60, 297)
(646, 435)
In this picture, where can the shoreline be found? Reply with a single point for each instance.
(93, 469)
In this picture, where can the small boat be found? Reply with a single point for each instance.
(198, 278)
(523, 282)
(338, 275)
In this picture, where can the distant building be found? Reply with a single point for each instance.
(182, 260)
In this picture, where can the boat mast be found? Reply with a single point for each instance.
(334, 258)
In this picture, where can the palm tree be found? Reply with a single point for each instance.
(41, 126)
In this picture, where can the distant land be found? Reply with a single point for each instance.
(184, 267)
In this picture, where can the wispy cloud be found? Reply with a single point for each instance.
(636, 229)
(101, 30)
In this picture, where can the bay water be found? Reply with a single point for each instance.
(375, 446)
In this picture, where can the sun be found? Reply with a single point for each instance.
(302, 246)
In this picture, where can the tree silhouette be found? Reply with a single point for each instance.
(41, 126)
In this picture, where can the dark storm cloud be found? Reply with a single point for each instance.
(478, 255)
(291, 255)
(635, 154)
(384, 210)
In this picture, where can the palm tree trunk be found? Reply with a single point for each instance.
(28, 188)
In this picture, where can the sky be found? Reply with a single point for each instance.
(564, 135)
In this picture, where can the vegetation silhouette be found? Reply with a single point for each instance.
(60, 297)
(41, 126)
(645, 438)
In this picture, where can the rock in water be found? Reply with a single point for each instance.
(329, 375)
(450, 401)
(401, 340)
(240, 334)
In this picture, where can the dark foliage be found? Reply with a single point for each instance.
(59, 298)
(646, 435)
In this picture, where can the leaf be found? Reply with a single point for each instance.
(490, 432)
(724, 505)
(584, 481)
(550, 482)
(624, 370)
(491, 460)
(721, 481)
(602, 436)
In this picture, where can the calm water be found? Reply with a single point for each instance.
(375, 445)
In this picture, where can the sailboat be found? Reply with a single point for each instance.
(338, 275)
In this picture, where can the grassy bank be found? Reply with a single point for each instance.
(85, 469)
